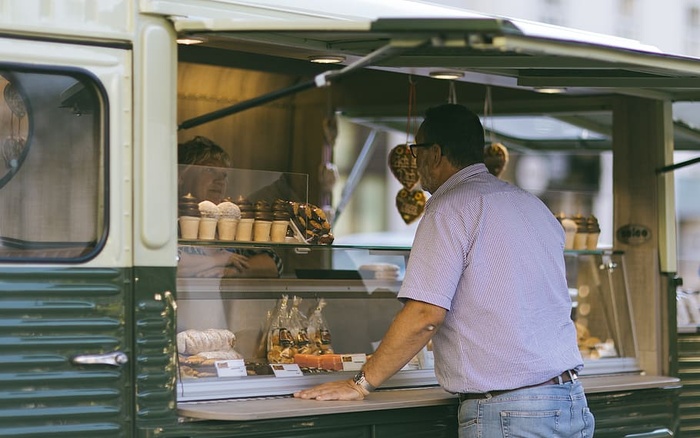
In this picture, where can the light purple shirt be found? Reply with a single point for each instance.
(492, 254)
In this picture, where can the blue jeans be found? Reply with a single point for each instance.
(545, 411)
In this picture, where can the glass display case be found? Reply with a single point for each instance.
(601, 310)
(356, 289)
(360, 302)
(264, 316)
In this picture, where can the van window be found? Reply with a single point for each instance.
(52, 165)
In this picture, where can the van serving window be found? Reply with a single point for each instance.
(52, 172)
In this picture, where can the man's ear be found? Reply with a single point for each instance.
(436, 154)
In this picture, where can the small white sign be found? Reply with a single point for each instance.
(230, 368)
(286, 369)
(353, 362)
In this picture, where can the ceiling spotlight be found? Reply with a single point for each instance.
(550, 90)
(188, 41)
(451, 74)
(327, 59)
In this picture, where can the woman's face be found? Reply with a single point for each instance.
(205, 182)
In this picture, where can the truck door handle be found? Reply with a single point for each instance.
(115, 358)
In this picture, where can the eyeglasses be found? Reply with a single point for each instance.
(413, 147)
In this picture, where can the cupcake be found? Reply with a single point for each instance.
(189, 217)
(229, 216)
(280, 221)
(581, 232)
(263, 221)
(244, 232)
(593, 230)
(210, 218)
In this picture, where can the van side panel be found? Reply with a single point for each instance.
(47, 318)
(155, 354)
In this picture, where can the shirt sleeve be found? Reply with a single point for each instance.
(436, 262)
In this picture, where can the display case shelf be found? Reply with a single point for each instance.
(245, 288)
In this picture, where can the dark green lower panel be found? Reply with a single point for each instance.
(429, 422)
(619, 414)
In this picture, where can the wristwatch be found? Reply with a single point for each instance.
(362, 382)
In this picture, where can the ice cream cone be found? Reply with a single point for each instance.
(189, 227)
(244, 231)
(207, 228)
(227, 228)
(261, 230)
(278, 232)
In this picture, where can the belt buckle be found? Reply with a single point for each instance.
(572, 376)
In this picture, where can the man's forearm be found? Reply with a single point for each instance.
(410, 331)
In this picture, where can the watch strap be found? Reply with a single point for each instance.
(362, 382)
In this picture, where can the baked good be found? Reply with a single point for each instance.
(495, 158)
(188, 206)
(228, 210)
(310, 222)
(192, 342)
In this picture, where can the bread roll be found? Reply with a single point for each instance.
(196, 341)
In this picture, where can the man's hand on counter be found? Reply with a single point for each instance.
(338, 390)
(412, 328)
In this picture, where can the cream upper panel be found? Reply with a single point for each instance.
(94, 19)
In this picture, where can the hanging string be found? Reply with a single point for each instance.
(410, 123)
(452, 96)
(488, 114)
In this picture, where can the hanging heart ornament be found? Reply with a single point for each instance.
(410, 204)
(403, 166)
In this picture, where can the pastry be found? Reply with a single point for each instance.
(229, 215)
(192, 342)
(188, 212)
(209, 213)
(310, 223)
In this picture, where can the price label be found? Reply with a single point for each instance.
(353, 362)
(286, 369)
(230, 368)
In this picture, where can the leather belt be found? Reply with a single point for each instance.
(565, 377)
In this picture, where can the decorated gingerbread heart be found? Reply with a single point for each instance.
(403, 166)
(410, 204)
(496, 158)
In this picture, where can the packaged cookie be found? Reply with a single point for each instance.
(319, 333)
(298, 325)
(280, 342)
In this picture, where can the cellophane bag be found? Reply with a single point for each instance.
(299, 325)
(318, 331)
(280, 343)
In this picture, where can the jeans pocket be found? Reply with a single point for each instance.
(520, 424)
(588, 423)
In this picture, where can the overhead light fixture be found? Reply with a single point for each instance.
(550, 90)
(446, 74)
(188, 41)
(327, 59)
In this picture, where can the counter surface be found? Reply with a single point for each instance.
(285, 407)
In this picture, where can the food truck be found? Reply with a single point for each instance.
(103, 334)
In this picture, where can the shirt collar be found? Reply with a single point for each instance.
(458, 178)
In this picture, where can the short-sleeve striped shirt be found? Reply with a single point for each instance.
(492, 254)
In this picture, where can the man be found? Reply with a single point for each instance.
(486, 282)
